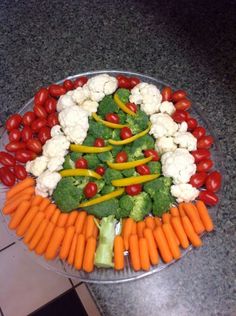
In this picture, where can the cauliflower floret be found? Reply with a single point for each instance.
(165, 144)
(55, 164)
(182, 127)
(178, 165)
(56, 130)
(65, 101)
(162, 125)
(148, 96)
(77, 134)
(167, 107)
(47, 182)
(90, 106)
(184, 192)
(80, 94)
(56, 146)
(185, 140)
(37, 166)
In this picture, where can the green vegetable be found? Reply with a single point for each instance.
(112, 174)
(89, 140)
(103, 209)
(74, 156)
(162, 203)
(100, 184)
(122, 116)
(129, 172)
(122, 213)
(107, 105)
(138, 123)
(116, 134)
(107, 189)
(143, 143)
(161, 184)
(126, 204)
(123, 95)
(116, 149)
(154, 166)
(106, 156)
(68, 163)
(97, 129)
(92, 160)
(142, 206)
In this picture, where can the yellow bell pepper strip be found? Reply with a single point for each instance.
(103, 198)
(122, 105)
(129, 164)
(106, 123)
(130, 139)
(89, 149)
(80, 172)
(134, 180)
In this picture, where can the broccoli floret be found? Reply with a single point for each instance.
(100, 184)
(129, 172)
(116, 149)
(155, 167)
(98, 129)
(107, 105)
(123, 95)
(92, 160)
(138, 123)
(127, 203)
(107, 189)
(80, 182)
(161, 184)
(106, 156)
(67, 196)
(74, 156)
(116, 134)
(112, 174)
(142, 206)
(103, 209)
(68, 163)
(162, 202)
(89, 140)
(122, 116)
(121, 213)
(141, 144)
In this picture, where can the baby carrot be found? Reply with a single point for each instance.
(152, 248)
(123, 226)
(170, 237)
(157, 221)
(134, 228)
(19, 214)
(79, 252)
(179, 231)
(181, 209)
(162, 244)
(29, 190)
(66, 243)
(44, 241)
(33, 227)
(71, 256)
(119, 261)
(174, 211)
(49, 211)
(134, 252)
(89, 253)
(36, 200)
(127, 231)
(80, 221)
(144, 256)
(165, 217)
(204, 215)
(62, 219)
(89, 226)
(190, 232)
(72, 218)
(44, 204)
(54, 243)
(192, 213)
(140, 227)
(38, 234)
(11, 207)
(26, 221)
(55, 216)
(95, 231)
(20, 186)
(150, 222)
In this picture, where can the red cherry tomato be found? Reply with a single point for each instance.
(50, 105)
(34, 145)
(178, 95)
(133, 81)
(112, 117)
(99, 142)
(100, 170)
(28, 118)
(123, 82)
(13, 122)
(7, 177)
(208, 197)
(125, 132)
(90, 189)
(166, 94)
(20, 172)
(40, 111)
(183, 104)
(24, 155)
(53, 119)
(26, 133)
(41, 96)
(15, 134)
(153, 153)
(199, 132)
(180, 116)
(192, 123)
(7, 159)
(201, 154)
(132, 106)
(133, 189)
(38, 123)
(79, 82)
(204, 165)
(213, 181)
(56, 90)
(121, 157)
(198, 179)
(205, 142)
(81, 163)
(44, 134)
(68, 85)
(14, 146)
(143, 169)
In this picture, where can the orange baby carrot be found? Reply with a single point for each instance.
(150, 222)
(123, 226)
(19, 214)
(204, 215)
(33, 227)
(179, 231)
(192, 213)
(38, 234)
(26, 221)
(157, 221)
(44, 241)
(49, 211)
(44, 204)
(89, 253)
(134, 228)
(162, 244)
(181, 209)
(66, 243)
(79, 224)
(140, 227)
(55, 216)
(95, 231)
(36, 200)
(190, 232)
(134, 252)
(174, 211)
(20, 186)
(62, 219)
(127, 231)
(170, 237)
(29, 191)
(90, 224)
(165, 217)
(71, 256)
(152, 248)
(11, 207)
(72, 218)
(54, 243)
(79, 252)
(119, 261)
(144, 255)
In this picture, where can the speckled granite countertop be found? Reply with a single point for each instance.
(189, 44)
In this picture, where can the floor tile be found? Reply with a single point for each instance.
(30, 285)
(6, 237)
(87, 300)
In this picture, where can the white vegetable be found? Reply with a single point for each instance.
(37, 166)
(65, 101)
(185, 140)
(167, 107)
(80, 94)
(56, 130)
(162, 125)
(90, 106)
(47, 182)
(182, 127)
(165, 144)
(56, 146)
(184, 192)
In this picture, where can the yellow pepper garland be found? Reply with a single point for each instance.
(103, 198)
(89, 149)
(134, 180)
(106, 123)
(129, 164)
(122, 105)
(80, 172)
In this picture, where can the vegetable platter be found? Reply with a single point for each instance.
(109, 176)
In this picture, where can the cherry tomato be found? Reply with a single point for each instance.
(79, 82)
(24, 155)
(213, 181)
(123, 82)
(121, 157)
(38, 123)
(41, 96)
(205, 165)
(40, 111)
(7, 177)
(99, 142)
(199, 132)
(133, 81)
(183, 104)
(132, 106)
(178, 95)
(143, 169)
(15, 134)
(192, 123)
(14, 146)
(166, 94)
(44, 134)
(20, 172)
(201, 154)
(13, 122)
(133, 189)
(112, 117)
(7, 159)
(100, 170)
(34, 145)
(125, 132)
(56, 90)
(81, 163)
(180, 116)
(153, 153)
(198, 179)
(205, 142)
(50, 105)
(28, 118)
(90, 189)
(208, 197)
(26, 133)
(53, 119)
(68, 85)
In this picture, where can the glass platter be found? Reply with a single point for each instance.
(110, 275)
